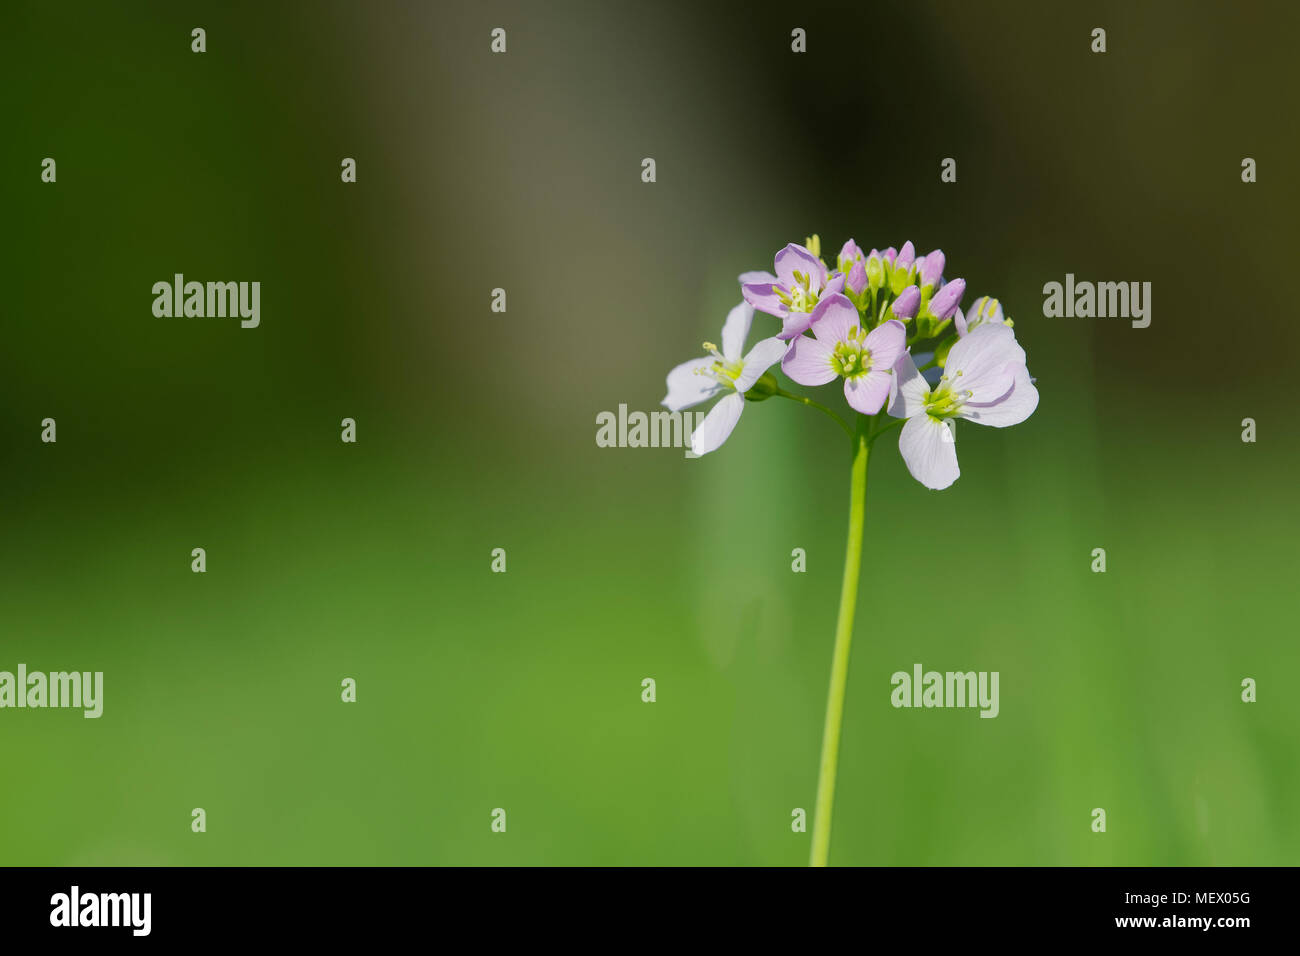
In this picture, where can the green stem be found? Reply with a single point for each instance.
(804, 400)
(821, 838)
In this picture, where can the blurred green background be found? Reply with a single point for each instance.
(476, 431)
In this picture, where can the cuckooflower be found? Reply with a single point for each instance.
(725, 371)
(904, 307)
(801, 280)
(840, 347)
(932, 268)
(947, 300)
(902, 268)
(985, 381)
(852, 264)
(850, 253)
(856, 279)
(906, 257)
(984, 310)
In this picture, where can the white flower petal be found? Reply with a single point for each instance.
(929, 451)
(761, 357)
(1012, 409)
(832, 319)
(794, 258)
(907, 391)
(717, 425)
(886, 343)
(869, 393)
(735, 330)
(686, 388)
(809, 361)
(984, 363)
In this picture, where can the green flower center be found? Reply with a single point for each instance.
(850, 359)
(725, 372)
(799, 297)
(943, 401)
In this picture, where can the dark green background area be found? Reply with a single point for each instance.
(476, 431)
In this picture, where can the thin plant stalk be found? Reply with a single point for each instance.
(821, 837)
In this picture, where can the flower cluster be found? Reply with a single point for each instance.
(868, 321)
